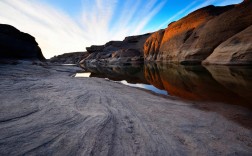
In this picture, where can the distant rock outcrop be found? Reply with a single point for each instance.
(69, 58)
(18, 45)
(130, 50)
(193, 38)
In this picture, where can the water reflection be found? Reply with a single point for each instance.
(145, 86)
(232, 85)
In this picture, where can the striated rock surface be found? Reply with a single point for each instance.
(18, 45)
(129, 50)
(44, 111)
(236, 50)
(193, 38)
(152, 45)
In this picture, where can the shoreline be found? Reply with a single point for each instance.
(46, 111)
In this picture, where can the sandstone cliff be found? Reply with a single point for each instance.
(152, 45)
(236, 50)
(18, 45)
(193, 38)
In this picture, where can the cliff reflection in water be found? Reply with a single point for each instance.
(232, 85)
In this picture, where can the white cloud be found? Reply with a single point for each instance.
(57, 33)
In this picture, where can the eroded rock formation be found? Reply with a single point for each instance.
(152, 45)
(115, 52)
(69, 58)
(181, 38)
(18, 45)
(193, 38)
(236, 50)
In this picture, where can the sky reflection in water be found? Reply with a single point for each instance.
(145, 86)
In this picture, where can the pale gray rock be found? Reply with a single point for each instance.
(45, 111)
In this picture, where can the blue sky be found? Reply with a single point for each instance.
(61, 26)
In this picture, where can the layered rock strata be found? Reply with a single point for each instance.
(130, 50)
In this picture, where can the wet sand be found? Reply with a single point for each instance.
(45, 111)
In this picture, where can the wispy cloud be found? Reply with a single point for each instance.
(197, 4)
(134, 16)
(56, 32)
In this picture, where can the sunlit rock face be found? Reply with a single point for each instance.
(181, 38)
(193, 38)
(18, 45)
(129, 50)
(152, 45)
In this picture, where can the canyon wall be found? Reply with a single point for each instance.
(208, 30)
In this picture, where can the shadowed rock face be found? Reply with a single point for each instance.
(193, 38)
(69, 58)
(18, 45)
(115, 52)
(236, 50)
(95, 48)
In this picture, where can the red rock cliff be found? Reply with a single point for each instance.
(193, 38)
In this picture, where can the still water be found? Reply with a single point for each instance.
(226, 84)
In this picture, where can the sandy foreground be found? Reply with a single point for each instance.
(45, 111)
